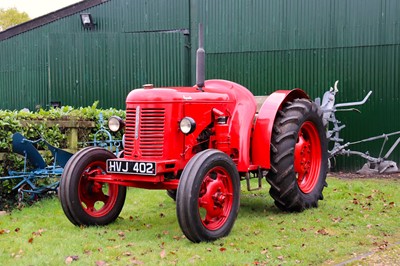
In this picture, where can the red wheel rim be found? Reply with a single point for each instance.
(307, 157)
(215, 198)
(97, 199)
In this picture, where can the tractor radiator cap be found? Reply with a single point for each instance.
(148, 86)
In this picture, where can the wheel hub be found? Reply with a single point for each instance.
(97, 199)
(215, 199)
(303, 152)
(219, 199)
(307, 157)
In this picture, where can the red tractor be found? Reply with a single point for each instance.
(198, 143)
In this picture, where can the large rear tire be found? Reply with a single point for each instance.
(208, 196)
(84, 201)
(299, 157)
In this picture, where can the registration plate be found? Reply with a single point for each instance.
(131, 167)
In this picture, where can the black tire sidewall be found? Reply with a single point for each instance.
(64, 194)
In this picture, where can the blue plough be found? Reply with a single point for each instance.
(28, 178)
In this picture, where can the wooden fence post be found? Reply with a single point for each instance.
(72, 125)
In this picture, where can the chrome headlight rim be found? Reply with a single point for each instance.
(187, 125)
(115, 123)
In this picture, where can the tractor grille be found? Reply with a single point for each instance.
(148, 135)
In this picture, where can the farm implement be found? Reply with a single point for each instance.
(34, 178)
(103, 138)
(374, 165)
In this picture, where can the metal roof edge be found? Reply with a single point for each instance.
(48, 18)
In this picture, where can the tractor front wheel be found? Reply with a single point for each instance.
(299, 158)
(207, 200)
(85, 201)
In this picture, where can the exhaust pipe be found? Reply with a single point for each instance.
(200, 61)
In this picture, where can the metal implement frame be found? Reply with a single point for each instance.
(379, 164)
(29, 177)
(108, 143)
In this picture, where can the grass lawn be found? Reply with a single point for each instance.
(357, 216)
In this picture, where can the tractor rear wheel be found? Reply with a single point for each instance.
(207, 200)
(299, 158)
(85, 201)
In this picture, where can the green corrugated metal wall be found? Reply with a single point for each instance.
(264, 45)
(270, 45)
(107, 66)
(134, 43)
(23, 68)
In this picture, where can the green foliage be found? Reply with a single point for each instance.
(33, 124)
(357, 216)
(11, 17)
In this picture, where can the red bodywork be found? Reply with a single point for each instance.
(265, 121)
(225, 116)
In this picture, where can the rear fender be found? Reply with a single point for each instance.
(260, 146)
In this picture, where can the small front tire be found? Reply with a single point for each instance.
(208, 196)
(85, 201)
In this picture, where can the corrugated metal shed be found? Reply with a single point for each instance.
(264, 45)
(133, 43)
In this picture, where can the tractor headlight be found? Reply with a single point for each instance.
(115, 123)
(187, 125)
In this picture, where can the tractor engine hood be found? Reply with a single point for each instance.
(148, 94)
(227, 97)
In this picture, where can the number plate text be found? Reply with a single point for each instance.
(131, 167)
